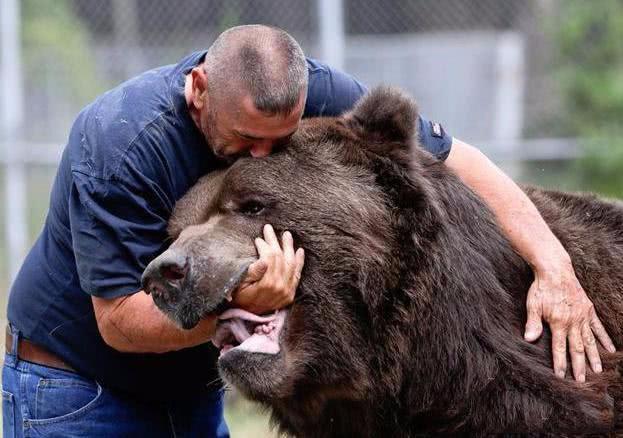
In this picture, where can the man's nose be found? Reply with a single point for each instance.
(169, 268)
(261, 148)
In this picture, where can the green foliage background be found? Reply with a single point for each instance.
(52, 35)
(589, 39)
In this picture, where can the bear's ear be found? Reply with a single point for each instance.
(385, 114)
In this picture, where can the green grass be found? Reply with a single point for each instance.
(245, 419)
(559, 175)
(564, 175)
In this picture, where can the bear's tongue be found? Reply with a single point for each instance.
(254, 333)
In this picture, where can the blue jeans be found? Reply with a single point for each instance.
(39, 401)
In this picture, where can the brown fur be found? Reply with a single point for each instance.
(409, 315)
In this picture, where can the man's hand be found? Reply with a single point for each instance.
(272, 280)
(558, 298)
(556, 294)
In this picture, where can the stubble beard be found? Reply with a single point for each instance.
(216, 144)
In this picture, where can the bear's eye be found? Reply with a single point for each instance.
(251, 208)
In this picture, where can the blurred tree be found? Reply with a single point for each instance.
(56, 50)
(589, 36)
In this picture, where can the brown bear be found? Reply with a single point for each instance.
(409, 314)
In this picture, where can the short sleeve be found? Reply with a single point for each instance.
(330, 92)
(434, 138)
(117, 228)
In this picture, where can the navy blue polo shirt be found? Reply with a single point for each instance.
(130, 156)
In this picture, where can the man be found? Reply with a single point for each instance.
(107, 361)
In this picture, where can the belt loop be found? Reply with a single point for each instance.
(15, 336)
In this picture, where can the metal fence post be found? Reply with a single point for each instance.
(12, 114)
(509, 97)
(331, 29)
(125, 15)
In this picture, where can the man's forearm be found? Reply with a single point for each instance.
(532, 239)
(133, 324)
(556, 296)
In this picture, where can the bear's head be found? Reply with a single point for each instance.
(354, 192)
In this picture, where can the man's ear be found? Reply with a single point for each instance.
(385, 114)
(199, 87)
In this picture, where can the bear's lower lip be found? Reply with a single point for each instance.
(205, 308)
(242, 330)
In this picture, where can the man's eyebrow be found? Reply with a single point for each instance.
(245, 135)
(252, 137)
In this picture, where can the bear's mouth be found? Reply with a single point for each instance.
(227, 291)
(239, 329)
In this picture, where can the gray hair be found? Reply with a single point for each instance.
(264, 61)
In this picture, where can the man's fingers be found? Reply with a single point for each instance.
(534, 326)
(276, 274)
(288, 249)
(256, 271)
(578, 357)
(559, 351)
(263, 248)
(270, 237)
(277, 266)
(601, 334)
(590, 345)
(298, 267)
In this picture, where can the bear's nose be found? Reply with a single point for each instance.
(174, 270)
(168, 269)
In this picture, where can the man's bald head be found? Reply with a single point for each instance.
(262, 62)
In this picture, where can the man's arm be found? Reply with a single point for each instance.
(556, 295)
(133, 323)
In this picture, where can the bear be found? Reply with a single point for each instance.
(409, 313)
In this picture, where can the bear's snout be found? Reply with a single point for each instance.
(197, 276)
(165, 275)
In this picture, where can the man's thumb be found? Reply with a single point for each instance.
(534, 327)
(256, 271)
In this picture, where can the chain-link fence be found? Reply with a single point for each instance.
(446, 52)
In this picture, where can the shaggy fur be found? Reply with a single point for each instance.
(410, 311)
